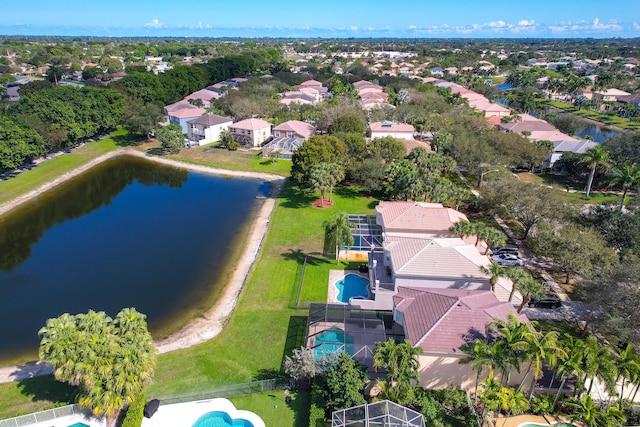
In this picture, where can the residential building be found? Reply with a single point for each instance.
(181, 112)
(207, 129)
(394, 130)
(251, 133)
(294, 129)
(283, 145)
(578, 146)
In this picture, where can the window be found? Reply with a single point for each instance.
(276, 133)
(289, 134)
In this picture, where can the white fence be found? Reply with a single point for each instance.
(40, 417)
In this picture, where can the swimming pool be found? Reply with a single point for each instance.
(331, 341)
(351, 286)
(220, 419)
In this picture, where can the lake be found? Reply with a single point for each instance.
(127, 233)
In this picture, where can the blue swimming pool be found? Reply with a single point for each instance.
(352, 286)
(331, 341)
(220, 419)
(79, 425)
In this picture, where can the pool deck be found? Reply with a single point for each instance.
(186, 414)
(69, 420)
(334, 276)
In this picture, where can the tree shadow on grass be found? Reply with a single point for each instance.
(295, 197)
(299, 256)
(47, 388)
(347, 191)
(268, 374)
(300, 404)
(296, 335)
(128, 140)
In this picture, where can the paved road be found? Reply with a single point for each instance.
(571, 311)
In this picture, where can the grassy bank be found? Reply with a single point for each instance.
(264, 326)
(605, 119)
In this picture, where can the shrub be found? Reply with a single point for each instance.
(316, 414)
(542, 404)
(135, 413)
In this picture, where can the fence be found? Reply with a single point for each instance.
(40, 417)
(227, 391)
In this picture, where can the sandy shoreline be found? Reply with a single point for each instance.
(208, 325)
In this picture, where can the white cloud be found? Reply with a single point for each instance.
(369, 28)
(154, 24)
(611, 25)
(412, 27)
(354, 28)
(497, 24)
(636, 26)
(527, 23)
(201, 26)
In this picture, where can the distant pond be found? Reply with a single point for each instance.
(127, 233)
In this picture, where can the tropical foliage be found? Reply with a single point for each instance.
(109, 359)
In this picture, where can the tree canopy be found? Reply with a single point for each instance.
(109, 359)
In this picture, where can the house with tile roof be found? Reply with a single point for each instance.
(394, 130)
(207, 129)
(440, 322)
(181, 112)
(251, 133)
(579, 146)
(294, 129)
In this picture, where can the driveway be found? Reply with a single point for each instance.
(571, 311)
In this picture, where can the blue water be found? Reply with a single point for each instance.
(596, 132)
(352, 286)
(331, 341)
(128, 233)
(79, 425)
(220, 419)
(505, 86)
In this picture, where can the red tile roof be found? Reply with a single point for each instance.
(443, 320)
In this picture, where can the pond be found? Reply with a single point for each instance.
(127, 233)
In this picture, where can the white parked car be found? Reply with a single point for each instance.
(508, 260)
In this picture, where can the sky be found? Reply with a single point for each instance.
(328, 18)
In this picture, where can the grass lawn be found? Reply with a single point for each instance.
(209, 155)
(575, 197)
(274, 411)
(263, 327)
(53, 168)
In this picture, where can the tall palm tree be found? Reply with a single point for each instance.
(510, 334)
(496, 271)
(571, 364)
(480, 355)
(463, 229)
(517, 276)
(529, 289)
(513, 401)
(627, 362)
(338, 229)
(628, 177)
(491, 236)
(402, 365)
(320, 179)
(596, 158)
(336, 174)
(588, 413)
(597, 363)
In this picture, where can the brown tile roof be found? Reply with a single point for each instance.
(427, 218)
(184, 113)
(301, 128)
(449, 259)
(393, 127)
(251, 124)
(443, 320)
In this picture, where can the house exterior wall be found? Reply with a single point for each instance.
(256, 137)
(442, 370)
(182, 122)
(397, 135)
(206, 135)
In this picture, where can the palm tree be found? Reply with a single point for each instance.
(491, 236)
(588, 413)
(510, 334)
(336, 174)
(571, 364)
(627, 363)
(596, 158)
(480, 355)
(320, 179)
(496, 271)
(402, 365)
(528, 289)
(627, 177)
(597, 363)
(463, 229)
(513, 401)
(338, 229)
(517, 276)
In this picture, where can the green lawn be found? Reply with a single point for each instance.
(53, 168)
(608, 120)
(274, 411)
